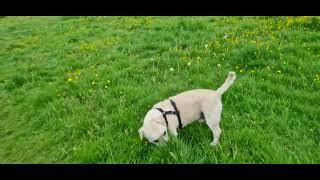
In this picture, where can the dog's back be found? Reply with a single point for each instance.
(191, 102)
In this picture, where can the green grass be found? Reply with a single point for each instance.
(76, 89)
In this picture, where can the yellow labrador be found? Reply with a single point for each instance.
(180, 110)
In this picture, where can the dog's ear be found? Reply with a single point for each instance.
(141, 133)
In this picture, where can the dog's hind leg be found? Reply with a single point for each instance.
(216, 134)
(213, 120)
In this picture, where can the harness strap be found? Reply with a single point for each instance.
(163, 114)
(176, 112)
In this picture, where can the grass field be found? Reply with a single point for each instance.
(76, 89)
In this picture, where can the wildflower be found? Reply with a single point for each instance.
(279, 71)
(108, 81)
(171, 69)
(97, 75)
(206, 46)
(93, 82)
(106, 86)
(241, 70)
(189, 64)
(219, 65)
(225, 36)
(69, 79)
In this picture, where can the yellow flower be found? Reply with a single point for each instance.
(69, 79)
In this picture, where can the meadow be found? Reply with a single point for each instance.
(76, 89)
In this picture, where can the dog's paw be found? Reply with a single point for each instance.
(214, 143)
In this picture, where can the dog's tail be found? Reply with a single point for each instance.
(227, 83)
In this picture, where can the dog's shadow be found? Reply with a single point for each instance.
(192, 135)
(195, 133)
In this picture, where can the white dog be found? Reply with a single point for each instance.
(180, 110)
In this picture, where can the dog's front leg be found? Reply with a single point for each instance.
(173, 131)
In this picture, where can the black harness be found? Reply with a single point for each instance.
(176, 112)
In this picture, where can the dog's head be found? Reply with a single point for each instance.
(154, 128)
